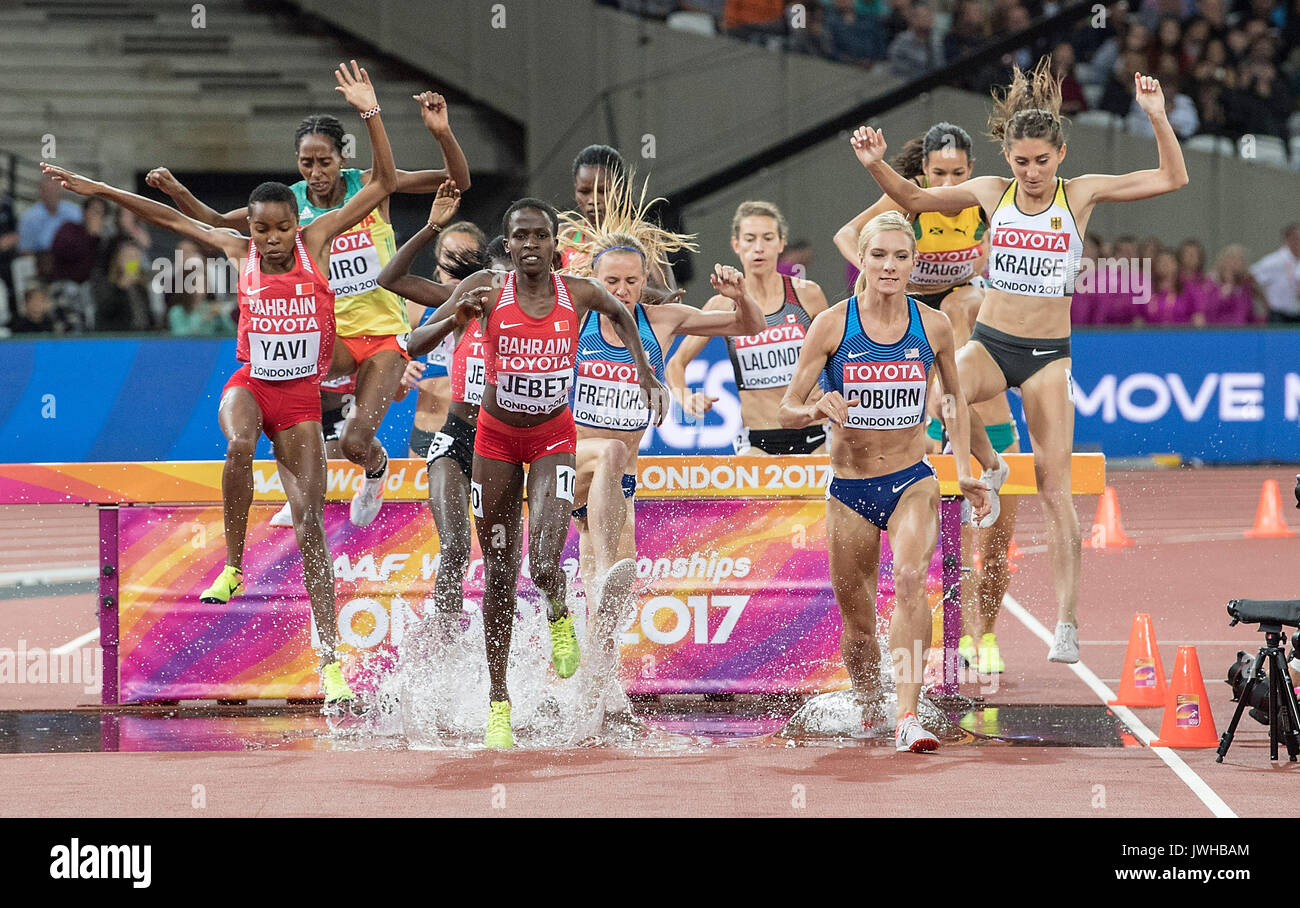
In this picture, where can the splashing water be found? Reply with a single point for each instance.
(437, 694)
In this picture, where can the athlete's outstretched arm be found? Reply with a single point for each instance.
(697, 404)
(473, 297)
(956, 415)
(746, 318)
(397, 275)
(869, 146)
(161, 178)
(356, 88)
(823, 336)
(433, 110)
(590, 295)
(1171, 173)
(232, 244)
(846, 238)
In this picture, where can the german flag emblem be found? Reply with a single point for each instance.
(1056, 223)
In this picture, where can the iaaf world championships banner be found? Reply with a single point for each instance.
(737, 599)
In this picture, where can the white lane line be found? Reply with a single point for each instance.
(1169, 642)
(75, 644)
(44, 576)
(1144, 734)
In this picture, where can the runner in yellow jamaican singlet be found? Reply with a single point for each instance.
(950, 253)
(371, 322)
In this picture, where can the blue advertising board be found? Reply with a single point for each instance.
(1219, 396)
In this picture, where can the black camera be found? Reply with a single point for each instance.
(1265, 612)
(1240, 674)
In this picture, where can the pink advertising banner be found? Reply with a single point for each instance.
(736, 599)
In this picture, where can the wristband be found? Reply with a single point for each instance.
(436, 228)
(367, 114)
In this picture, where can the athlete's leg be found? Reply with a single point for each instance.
(300, 460)
(377, 381)
(498, 487)
(1049, 412)
(980, 379)
(449, 502)
(913, 532)
(241, 421)
(602, 459)
(957, 306)
(853, 544)
(550, 506)
(431, 406)
(995, 577)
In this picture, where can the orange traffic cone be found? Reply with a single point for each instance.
(1142, 681)
(1107, 531)
(1188, 721)
(1269, 522)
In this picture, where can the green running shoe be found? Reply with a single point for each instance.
(336, 688)
(966, 649)
(990, 656)
(499, 736)
(228, 585)
(564, 646)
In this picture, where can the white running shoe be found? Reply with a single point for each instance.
(994, 479)
(1065, 644)
(283, 517)
(911, 736)
(369, 498)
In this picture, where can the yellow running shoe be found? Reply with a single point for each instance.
(564, 646)
(336, 688)
(228, 585)
(966, 649)
(990, 656)
(499, 736)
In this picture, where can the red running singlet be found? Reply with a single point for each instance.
(467, 365)
(286, 321)
(530, 360)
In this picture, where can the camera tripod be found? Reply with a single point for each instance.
(1283, 711)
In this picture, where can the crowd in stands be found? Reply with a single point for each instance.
(1228, 67)
(67, 268)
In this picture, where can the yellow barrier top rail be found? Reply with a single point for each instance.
(688, 476)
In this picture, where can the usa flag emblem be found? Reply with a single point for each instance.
(912, 353)
(304, 289)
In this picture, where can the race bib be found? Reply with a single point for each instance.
(767, 359)
(532, 392)
(609, 396)
(884, 395)
(354, 264)
(475, 380)
(280, 357)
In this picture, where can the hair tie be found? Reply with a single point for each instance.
(612, 248)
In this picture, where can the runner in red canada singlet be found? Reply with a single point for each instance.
(286, 337)
(531, 328)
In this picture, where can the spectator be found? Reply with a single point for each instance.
(1232, 302)
(1118, 96)
(969, 32)
(812, 39)
(1102, 47)
(125, 223)
(1171, 303)
(1265, 97)
(1153, 11)
(896, 19)
(1213, 14)
(122, 300)
(8, 251)
(754, 20)
(37, 226)
(1168, 41)
(1195, 36)
(1115, 304)
(916, 50)
(1192, 277)
(855, 36)
(1179, 108)
(77, 247)
(1278, 277)
(195, 309)
(39, 315)
(1073, 100)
